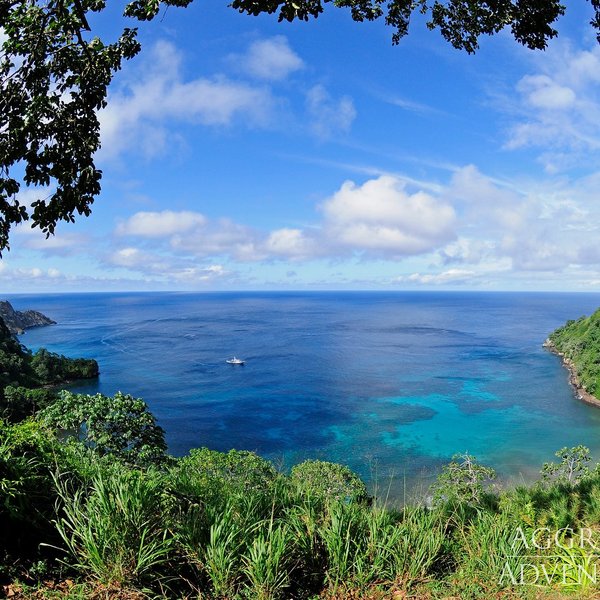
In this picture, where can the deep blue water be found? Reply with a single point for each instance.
(388, 383)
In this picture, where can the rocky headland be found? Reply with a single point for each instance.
(18, 321)
(580, 390)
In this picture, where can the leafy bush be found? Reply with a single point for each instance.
(571, 469)
(28, 454)
(21, 402)
(462, 481)
(328, 481)
(212, 476)
(121, 426)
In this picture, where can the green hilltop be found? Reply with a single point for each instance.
(579, 343)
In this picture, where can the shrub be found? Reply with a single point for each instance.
(21, 402)
(462, 481)
(121, 426)
(571, 469)
(212, 476)
(328, 481)
(28, 453)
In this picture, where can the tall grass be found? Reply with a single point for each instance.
(421, 544)
(267, 563)
(338, 532)
(112, 529)
(213, 540)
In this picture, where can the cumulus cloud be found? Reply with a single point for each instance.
(29, 274)
(292, 243)
(464, 232)
(138, 113)
(558, 108)
(137, 259)
(270, 59)
(160, 224)
(222, 237)
(467, 250)
(376, 219)
(328, 116)
(542, 92)
(152, 103)
(534, 229)
(381, 218)
(473, 226)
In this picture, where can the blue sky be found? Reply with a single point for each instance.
(241, 153)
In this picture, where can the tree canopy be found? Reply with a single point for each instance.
(55, 73)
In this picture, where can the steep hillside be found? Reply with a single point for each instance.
(578, 342)
(17, 321)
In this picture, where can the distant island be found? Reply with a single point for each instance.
(18, 321)
(578, 344)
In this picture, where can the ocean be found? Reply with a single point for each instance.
(391, 384)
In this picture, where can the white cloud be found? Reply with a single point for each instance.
(165, 267)
(377, 218)
(380, 217)
(291, 243)
(136, 259)
(64, 244)
(540, 228)
(540, 91)
(470, 230)
(136, 116)
(222, 238)
(270, 59)
(160, 224)
(24, 274)
(328, 117)
(443, 278)
(481, 200)
(410, 105)
(558, 108)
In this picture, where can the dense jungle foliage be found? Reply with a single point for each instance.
(579, 341)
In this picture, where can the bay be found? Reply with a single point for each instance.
(391, 384)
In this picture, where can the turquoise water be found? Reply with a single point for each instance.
(389, 383)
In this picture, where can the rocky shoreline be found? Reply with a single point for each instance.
(17, 321)
(580, 390)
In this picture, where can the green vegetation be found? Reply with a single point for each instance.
(230, 525)
(579, 342)
(26, 378)
(92, 506)
(121, 425)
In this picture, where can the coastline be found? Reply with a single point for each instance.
(580, 391)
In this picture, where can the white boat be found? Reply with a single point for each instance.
(235, 361)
